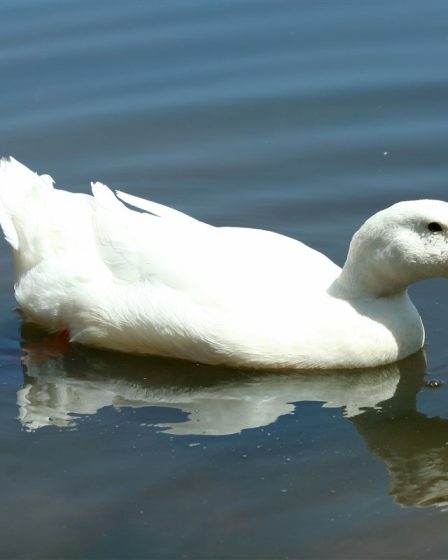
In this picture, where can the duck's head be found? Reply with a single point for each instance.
(402, 244)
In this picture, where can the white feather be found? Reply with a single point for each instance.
(7, 225)
(154, 208)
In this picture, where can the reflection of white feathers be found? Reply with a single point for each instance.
(413, 446)
(380, 404)
(52, 398)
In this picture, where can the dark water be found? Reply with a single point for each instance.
(301, 117)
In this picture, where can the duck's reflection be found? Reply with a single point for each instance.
(63, 383)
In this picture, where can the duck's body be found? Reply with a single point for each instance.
(165, 284)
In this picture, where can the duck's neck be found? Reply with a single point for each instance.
(357, 281)
(371, 271)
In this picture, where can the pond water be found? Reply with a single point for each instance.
(300, 117)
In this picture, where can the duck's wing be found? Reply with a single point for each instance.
(227, 267)
(157, 245)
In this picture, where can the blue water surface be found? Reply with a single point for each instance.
(300, 117)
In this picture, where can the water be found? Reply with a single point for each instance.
(301, 117)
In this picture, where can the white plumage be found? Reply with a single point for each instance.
(160, 282)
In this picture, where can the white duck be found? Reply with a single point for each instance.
(159, 282)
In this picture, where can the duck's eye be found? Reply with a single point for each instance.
(434, 226)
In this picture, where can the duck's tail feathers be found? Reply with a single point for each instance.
(105, 197)
(19, 188)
